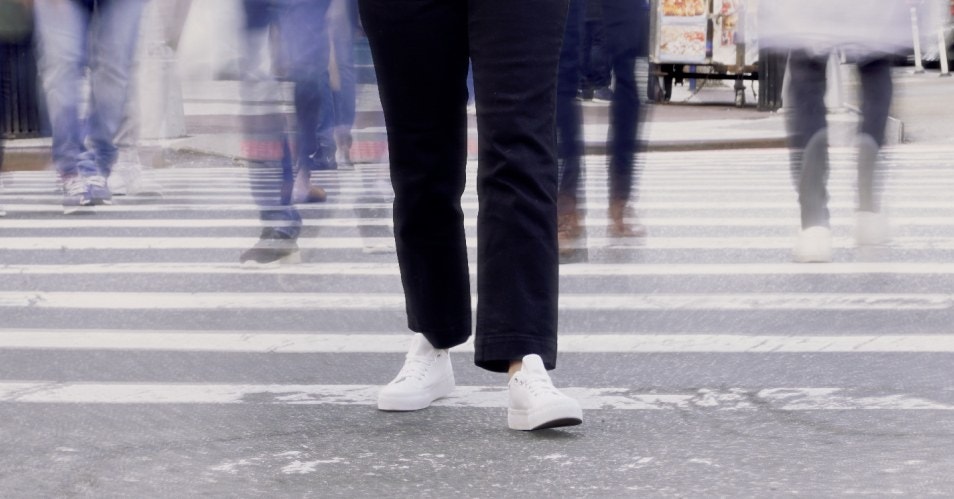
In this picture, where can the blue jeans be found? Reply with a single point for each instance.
(304, 50)
(342, 32)
(340, 115)
(75, 35)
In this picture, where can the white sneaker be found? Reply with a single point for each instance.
(871, 228)
(813, 245)
(427, 375)
(535, 403)
(127, 179)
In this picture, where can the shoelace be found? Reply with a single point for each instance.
(415, 368)
(540, 385)
(97, 180)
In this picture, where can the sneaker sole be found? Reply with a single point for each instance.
(80, 208)
(818, 257)
(547, 417)
(292, 259)
(406, 404)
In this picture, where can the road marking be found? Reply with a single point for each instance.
(273, 342)
(495, 397)
(350, 269)
(647, 219)
(471, 205)
(64, 243)
(897, 302)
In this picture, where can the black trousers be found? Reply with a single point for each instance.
(808, 83)
(807, 127)
(421, 50)
(626, 25)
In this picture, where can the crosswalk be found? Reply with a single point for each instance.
(158, 280)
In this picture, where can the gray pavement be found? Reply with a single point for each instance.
(138, 359)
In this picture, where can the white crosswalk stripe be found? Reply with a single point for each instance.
(714, 278)
(738, 399)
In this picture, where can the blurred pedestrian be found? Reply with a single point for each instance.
(76, 36)
(337, 95)
(275, 172)
(871, 33)
(342, 29)
(594, 68)
(421, 50)
(626, 25)
(154, 105)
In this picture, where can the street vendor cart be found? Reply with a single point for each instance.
(709, 40)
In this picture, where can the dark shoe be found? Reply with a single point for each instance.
(324, 161)
(272, 249)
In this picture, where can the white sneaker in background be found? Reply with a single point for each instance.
(128, 179)
(871, 228)
(813, 245)
(535, 403)
(427, 375)
(75, 194)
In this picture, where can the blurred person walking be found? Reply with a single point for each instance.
(277, 178)
(76, 36)
(154, 106)
(421, 50)
(342, 29)
(595, 74)
(626, 25)
(332, 141)
(870, 33)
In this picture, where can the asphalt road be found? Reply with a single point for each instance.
(138, 359)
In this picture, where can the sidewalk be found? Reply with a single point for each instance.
(709, 125)
(702, 120)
